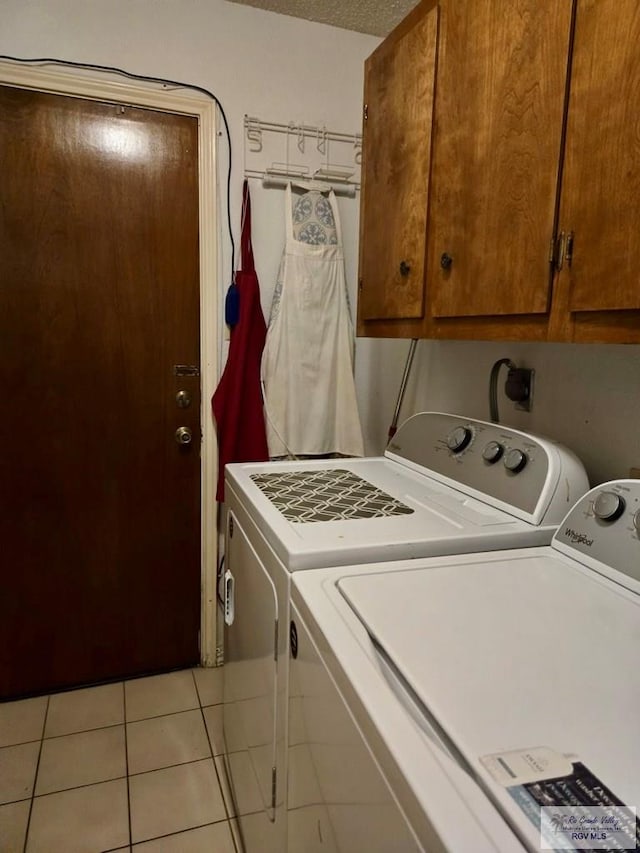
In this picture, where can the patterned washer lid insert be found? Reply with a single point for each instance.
(331, 495)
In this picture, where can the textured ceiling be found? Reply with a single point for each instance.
(376, 17)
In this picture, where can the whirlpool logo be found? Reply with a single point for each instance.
(577, 538)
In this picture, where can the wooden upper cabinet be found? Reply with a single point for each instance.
(502, 72)
(599, 286)
(399, 90)
(531, 134)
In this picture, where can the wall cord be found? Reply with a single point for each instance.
(493, 387)
(148, 79)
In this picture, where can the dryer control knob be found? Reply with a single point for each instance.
(636, 521)
(608, 506)
(458, 439)
(515, 460)
(492, 452)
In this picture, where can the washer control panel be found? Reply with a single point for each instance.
(605, 524)
(504, 464)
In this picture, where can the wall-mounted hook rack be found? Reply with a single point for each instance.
(334, 159)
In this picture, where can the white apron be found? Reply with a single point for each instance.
(307, 363)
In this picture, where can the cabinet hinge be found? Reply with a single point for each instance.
(568, 251)
(557, 250)
(365, 112)
(273, 787)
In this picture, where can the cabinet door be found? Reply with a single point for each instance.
(399, 81)
(600, 199)
(502, 70)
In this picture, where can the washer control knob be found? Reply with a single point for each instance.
(608, 506)
(636, 521)
(492, 452)
(515, 460)
(458, 439)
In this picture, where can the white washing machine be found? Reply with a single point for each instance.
(483, 702)
(445, 485)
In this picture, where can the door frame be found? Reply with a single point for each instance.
(94, 85)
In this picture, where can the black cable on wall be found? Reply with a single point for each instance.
(147, 79)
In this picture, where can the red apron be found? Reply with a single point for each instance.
(237, 401)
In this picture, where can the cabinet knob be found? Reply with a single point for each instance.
(404, 268)
(445, 261)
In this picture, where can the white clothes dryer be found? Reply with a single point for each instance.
(445, 485)
(486, 702)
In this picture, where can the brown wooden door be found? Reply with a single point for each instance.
(500, 98)
(99, 299)
(601, 180)
(399, 91)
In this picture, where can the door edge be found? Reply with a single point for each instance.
(108, 86)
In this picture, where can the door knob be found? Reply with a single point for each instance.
(183, 435)
(445, 261)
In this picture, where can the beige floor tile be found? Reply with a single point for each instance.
(160, 694)
(213, 719)
(81, 759)
(302, 780)
(209, 684)
(85, 820)
(22, 721)
(224, 785)
(244, 784)
(309, 829)
(174, 799)
(163, 741)
(13, 826)
(215, 838)
(82, 710)
(258, 833)
(18, 771)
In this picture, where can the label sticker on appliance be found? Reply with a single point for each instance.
(526, 765)
(568, 804)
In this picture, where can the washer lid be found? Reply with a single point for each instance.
(524, 652)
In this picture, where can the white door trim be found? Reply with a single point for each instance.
(108, 86)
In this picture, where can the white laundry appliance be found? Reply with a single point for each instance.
(450, 703)
(445, 485)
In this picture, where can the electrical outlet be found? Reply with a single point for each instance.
(519, 387)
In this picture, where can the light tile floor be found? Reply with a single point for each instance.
(135, 766)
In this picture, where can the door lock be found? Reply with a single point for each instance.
(183, 435)
(183, 399)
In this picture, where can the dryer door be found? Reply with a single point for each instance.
(250, 659)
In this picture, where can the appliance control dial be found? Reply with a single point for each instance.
(515, 460)
(492, 452)
(608, 506)
(636, 521)
(458, 439)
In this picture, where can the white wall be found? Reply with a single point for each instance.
(587, 396)
(284, 69)
(257, 63)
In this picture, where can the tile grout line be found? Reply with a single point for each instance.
(178, 832)
(35, 778)
(212, 757)
(113, 779)
(215, 765)
(126, 759)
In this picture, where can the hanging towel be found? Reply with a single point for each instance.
(237, 401)
(307, 364)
